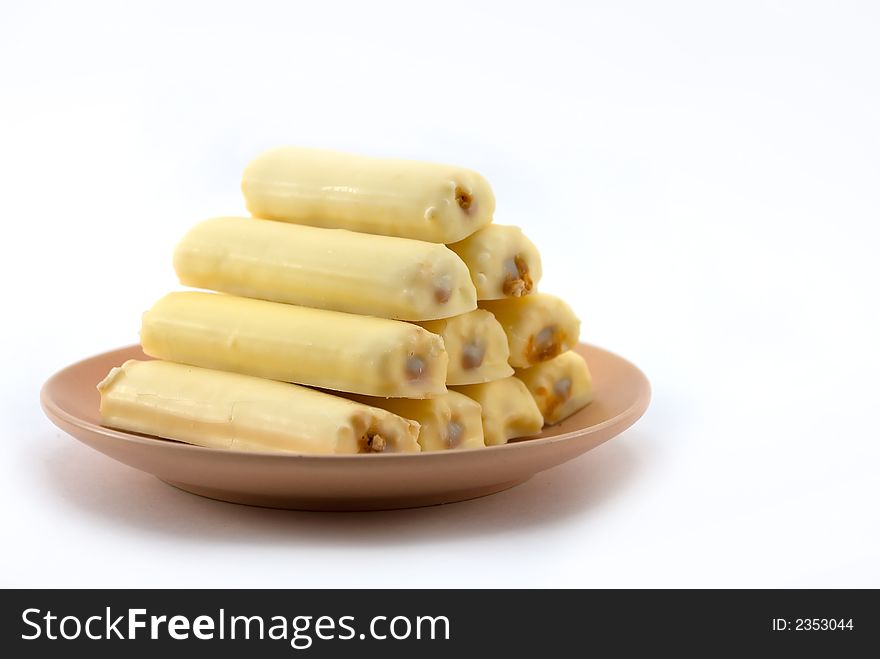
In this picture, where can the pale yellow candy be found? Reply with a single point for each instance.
(477, 347)
(328, 349)
(406, 198)
(502, 262)
(508, 409)
(448, 421)
(560, 387)
(325, 269)
(538, 327)
(232, 411)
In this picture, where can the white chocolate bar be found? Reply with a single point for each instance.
(449, 421)
(502, 261)
(406, 198)
(538, 327)
(508, 409)
(329, 349)
(326, 269)
(240, 412)
(560, 386)
(477, 347)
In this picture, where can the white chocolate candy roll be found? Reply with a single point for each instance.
(449, 421)
(328, 349)
(560, 386)
(477, 347)
(538, 327)
(508, 409)
(326, 269)
(406, 198)
(233, 411)
(502, 261)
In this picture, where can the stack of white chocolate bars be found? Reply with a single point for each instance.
(368, 306)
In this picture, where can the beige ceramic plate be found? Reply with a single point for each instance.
(341, 482)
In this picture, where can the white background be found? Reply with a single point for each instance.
(702, 179)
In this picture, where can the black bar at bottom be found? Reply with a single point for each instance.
(317, 623)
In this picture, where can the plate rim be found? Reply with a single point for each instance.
(627, 416)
